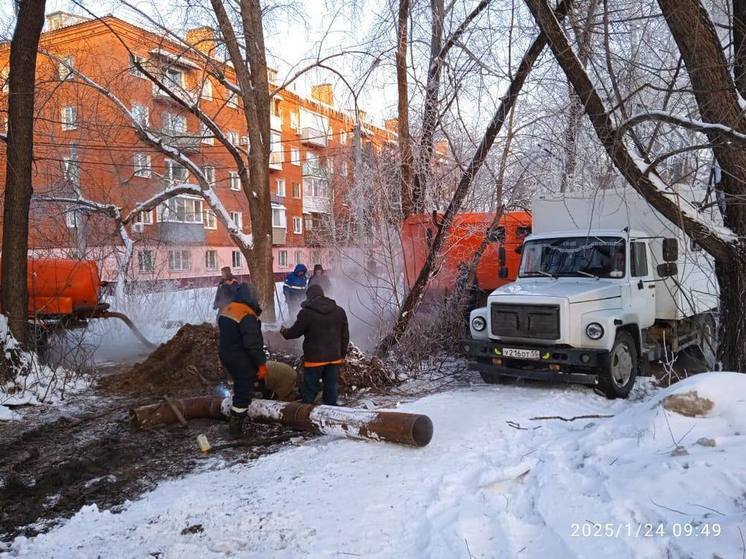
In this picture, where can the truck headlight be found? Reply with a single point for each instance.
(478, 323)
(594, 331)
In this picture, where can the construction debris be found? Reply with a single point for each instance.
(397, 427)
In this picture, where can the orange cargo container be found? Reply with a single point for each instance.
(60, 286)
(466, 235)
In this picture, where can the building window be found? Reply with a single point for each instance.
(343, 169)
(211, 221)
(278, 218)
(181, 209)
(295, 156)
(4, 75)
(282, 258)
(146, 261)
(144, 218)
(174, 124)
(176, 172)
(141, 115)
(232, 101)
(211, 260)
(233, 137)
(69, 118)
(65, 67)
(236, 260)
(209, 173)
(298, 257)
(343, 138)
(173, 77)
(134, 70)
(71, 218)
(234, 181)
(275, 147)
(294, 124)
(71, 170)
(330, 166)
(237, 219)
(142, 165)
(207, 90)
(313, 186)
(298, 225)
(179, 260)
(281, 187)
(206, 135)
(296, 190)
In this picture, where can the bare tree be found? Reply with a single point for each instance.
(20, 154)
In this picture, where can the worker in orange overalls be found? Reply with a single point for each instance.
(326, 336)
(241, 351)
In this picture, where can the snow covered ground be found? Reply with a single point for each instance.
(646, 482)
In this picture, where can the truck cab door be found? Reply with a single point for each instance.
(642, 283)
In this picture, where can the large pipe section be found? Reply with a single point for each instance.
(396, 427)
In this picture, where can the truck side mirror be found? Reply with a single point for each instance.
(501, 256)
(503, 273)
(668, 269)
(670, 250)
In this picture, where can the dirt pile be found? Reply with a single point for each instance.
(188, 362)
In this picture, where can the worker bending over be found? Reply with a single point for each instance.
(323, 325)
(241, 351)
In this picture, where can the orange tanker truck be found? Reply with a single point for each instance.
(66, 293)
(499, 263)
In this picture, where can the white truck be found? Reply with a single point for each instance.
(606, 285)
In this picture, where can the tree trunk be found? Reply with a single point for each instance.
(731, 277)
(20, 153)
(412, 301)
(739, 45)
(402, 89)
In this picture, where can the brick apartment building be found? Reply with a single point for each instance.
(85, 145)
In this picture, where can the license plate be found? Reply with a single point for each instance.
(521, 353)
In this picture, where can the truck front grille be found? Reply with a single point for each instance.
(525, 321)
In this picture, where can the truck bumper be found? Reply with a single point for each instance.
(578, 366)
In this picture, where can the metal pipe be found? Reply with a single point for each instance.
(396, 427)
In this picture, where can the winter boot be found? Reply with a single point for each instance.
(236, 421)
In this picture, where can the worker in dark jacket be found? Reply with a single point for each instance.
(294, 288)
(323, 325)
(241, 351)
(319, 277)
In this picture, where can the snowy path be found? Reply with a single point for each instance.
(480, 489)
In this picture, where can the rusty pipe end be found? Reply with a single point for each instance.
(422, 430)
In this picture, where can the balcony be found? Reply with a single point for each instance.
(181, 233)
(312, 168)
(275, 122)
(275, 160)
(188, 97)
(313, 137)
(181, 141)
(279, 235)
(318, 235)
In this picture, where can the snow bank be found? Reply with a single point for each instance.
(494, 482)
(33, 382)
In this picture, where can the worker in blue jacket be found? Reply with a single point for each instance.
(241, 351)
(294, 289)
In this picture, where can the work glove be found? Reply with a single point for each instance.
(282, 331)
(261, 372)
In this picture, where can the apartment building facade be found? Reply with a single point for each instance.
(87, 147)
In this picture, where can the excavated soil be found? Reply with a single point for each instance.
(189, 364)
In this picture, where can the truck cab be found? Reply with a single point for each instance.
(588, 306)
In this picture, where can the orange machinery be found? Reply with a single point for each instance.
(65, 293)
(499, 263)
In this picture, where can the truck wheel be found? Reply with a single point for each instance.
(618, 377)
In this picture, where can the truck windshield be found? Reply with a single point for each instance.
(600, 257)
